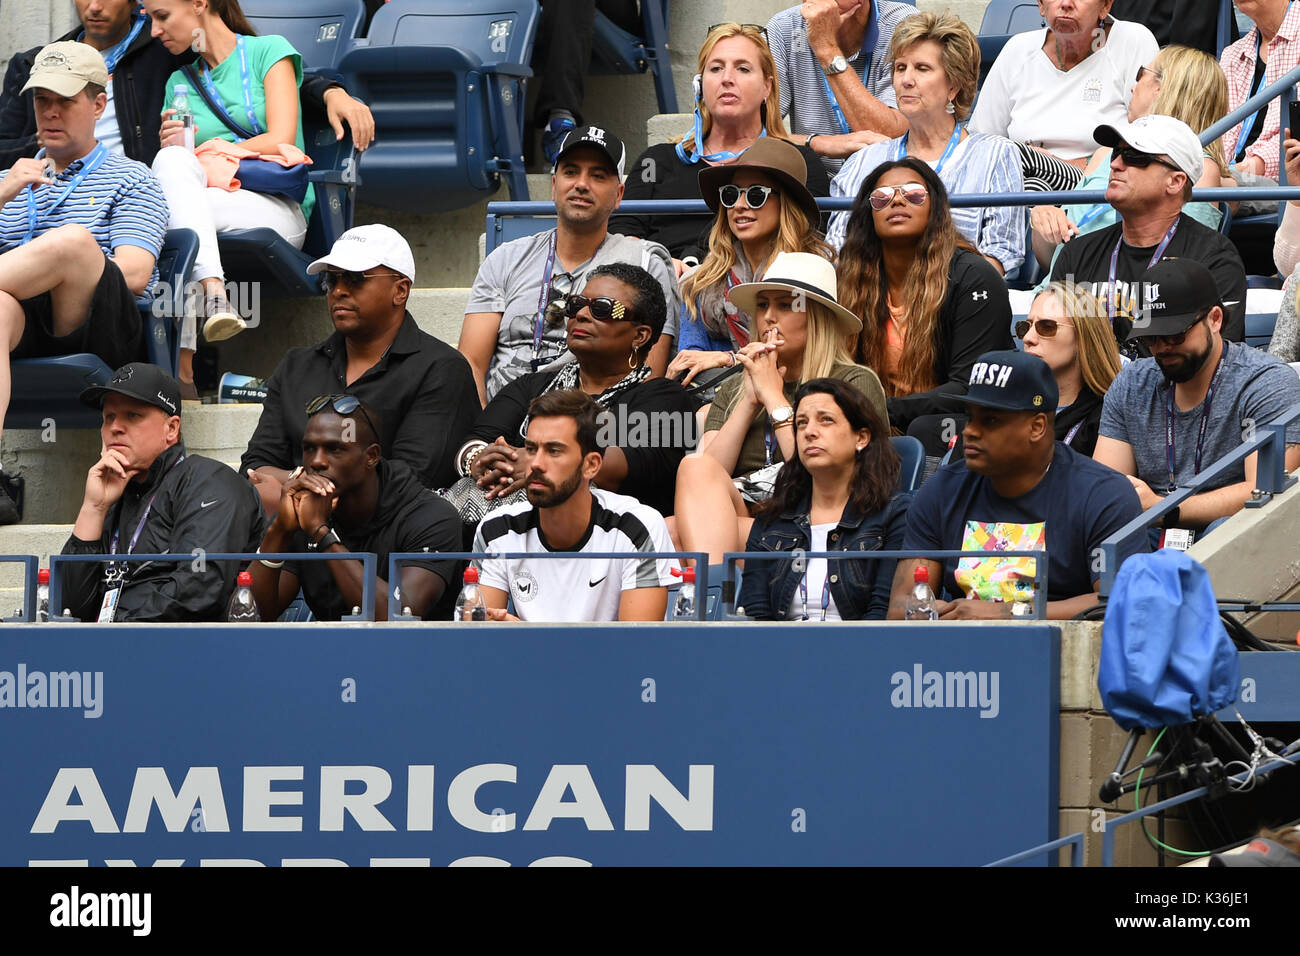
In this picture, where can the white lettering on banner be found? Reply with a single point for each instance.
(74, 690)
(77, 909)
(949, 689)
(75, 796)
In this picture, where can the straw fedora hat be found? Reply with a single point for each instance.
(799, 273)
(774, 158)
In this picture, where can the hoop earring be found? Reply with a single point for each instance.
(631, 361)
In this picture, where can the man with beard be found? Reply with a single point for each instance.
(566, 514)
(1196, 398)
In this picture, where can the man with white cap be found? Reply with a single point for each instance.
(1156, 161)
(420, 387)
(80, 229)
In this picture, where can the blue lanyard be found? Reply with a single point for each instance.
(901, 149)
(867, 52)
(1111, 292)
(1091, 214)
(205, 77)
(114, 54)
(88, 166)
(1205, 421)
(697, 143)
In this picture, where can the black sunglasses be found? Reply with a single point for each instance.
(344, 405)
(602, 308)
(353, 280)
(1142, 69)
(757, 27)
(1171, 341)
(1140, 160)
(755, 196)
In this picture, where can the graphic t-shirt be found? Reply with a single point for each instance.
(1000, 579)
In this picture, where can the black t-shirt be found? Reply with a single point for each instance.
(1086, 259)
(409, 517)
(1077, 505)
(1191, 23)
(658, 173)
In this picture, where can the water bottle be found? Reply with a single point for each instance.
(242, 607)
(684, 606)
(469, 603)
(920, 603)
(181, 104)
(43, 594)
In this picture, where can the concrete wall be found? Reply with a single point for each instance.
(28, 23)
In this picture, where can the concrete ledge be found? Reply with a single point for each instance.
(42, 540)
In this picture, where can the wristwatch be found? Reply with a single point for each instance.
(328, 539)
(837, 65)
(781, 416)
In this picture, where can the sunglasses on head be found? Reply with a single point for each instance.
(757, 27)
(344, 405)
(755, 196)
(353, 280)
(882, 196)
(1044, 328)
(602, 308)
(1140, 160)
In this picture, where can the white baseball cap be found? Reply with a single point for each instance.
(1160, 136)
(365, 247)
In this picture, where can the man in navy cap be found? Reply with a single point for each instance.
(1017, 489)
(146, 495)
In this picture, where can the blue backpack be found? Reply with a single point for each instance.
(1165, 655)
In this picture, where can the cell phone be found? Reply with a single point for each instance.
(1293, 118)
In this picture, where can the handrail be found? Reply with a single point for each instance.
(26, 613)
(1271, 478)
(1074, 841)
(730, 558)
(1252, 105)
(367, 611)
(398, 558)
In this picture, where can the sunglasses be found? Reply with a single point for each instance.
(1140, 160)
(344, 405)
(602, 308)
(1044, 328)
(353, 280)
(756, 27)
(882, 196)
(1142, 69)
(755, 196)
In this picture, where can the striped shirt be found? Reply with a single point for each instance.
(803, 92)
(120, 203)
(1238, 62)
(981, 163)
(570, 589)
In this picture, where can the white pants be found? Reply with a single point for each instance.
(192, 204)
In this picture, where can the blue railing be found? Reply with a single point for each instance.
(1074, 841)
(1271, 478)
(366, 612)
(27, 612)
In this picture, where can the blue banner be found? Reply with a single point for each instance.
(662, 744)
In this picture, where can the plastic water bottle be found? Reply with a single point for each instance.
(181, 104)
(242, 607)
(920, 603)
(469, 603)
(684, 606)
(43, 594)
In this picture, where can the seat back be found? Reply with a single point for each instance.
(911, 454)
(1010, 16)
(502, 229)
(492, 30)
(615, 50)
(320, 30)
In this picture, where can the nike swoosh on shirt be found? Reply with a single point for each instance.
(205, 504)
(597, 581)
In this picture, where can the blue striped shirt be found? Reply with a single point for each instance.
(120, 203)
(803, 96)
(981, 163)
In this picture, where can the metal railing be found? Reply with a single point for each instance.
(1074, 841)
(26, 613)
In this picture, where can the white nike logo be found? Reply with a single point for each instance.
(204, 504)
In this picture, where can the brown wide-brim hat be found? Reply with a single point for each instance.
(773, 157)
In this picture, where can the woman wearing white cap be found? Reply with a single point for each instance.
(801, 333)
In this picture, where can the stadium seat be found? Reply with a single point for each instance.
(911, 455)
(48, 388)
(1227, 27)
(297, 612)
(320, 30)
(501, 229)
(1007, 17)
(614, 50)
(1259, 329)
(446, 84)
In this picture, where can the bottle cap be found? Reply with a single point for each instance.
(245, 579)
(180, 88)
(686, 574)
(43, 576)
(471, 575)
(921, 575)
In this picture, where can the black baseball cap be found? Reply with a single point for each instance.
(1012, 380)
(1173, 293)
(601, 139)
(141, 381)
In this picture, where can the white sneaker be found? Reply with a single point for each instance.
(222, 322)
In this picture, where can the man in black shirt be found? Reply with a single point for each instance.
(145, 495)
(1156, 161)
(421, 388)
(1193, 23)
(347, 498)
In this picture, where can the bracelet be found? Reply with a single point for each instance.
(808, 142)
(732, 356)
(788, 421)
(469, 451)
(273, 565)
(313, 536)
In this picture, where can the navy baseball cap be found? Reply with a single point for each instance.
(1012, 380)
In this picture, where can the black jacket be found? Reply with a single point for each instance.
(198, 503)
(139, 90)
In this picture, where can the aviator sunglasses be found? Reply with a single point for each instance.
(755, 196)
(882, 196)
(602, 308)
(343, 404)
(1045, 328)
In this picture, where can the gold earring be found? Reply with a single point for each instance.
(631, 360)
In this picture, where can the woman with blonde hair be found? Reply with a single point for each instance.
(737, 102)
(1180, 82)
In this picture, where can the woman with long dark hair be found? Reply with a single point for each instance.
(930, 304)
(838, 493)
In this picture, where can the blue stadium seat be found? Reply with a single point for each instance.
(507, 228)
(1007, 17)
(297, 612)
(320, 30)
(47, 388)
(614, 50)
(912, 457)
(445, 82)
(1227, 32)
(1259, 328)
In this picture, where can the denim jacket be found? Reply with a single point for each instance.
(860, 588)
